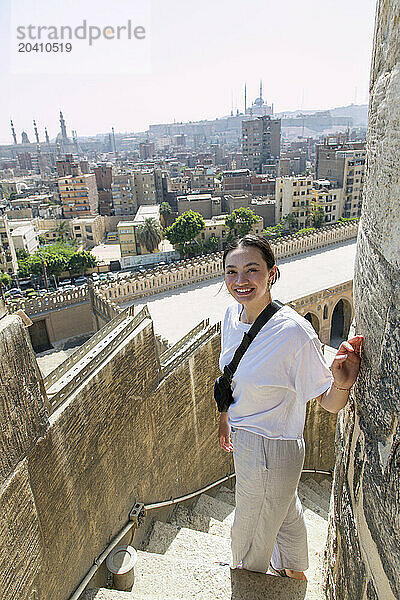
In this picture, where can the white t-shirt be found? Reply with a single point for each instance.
(282, 369)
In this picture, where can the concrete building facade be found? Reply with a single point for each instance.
(89, 230)
(205, 204)
(25, 238)
(8, 258)
(78, 193)
(123, 194)
(261, 142)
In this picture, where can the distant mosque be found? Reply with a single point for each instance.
(63, 144)
(259, 108)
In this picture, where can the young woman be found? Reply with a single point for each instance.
(282, 370)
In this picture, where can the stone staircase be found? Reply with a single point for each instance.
(187, 557)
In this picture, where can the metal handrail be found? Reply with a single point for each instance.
(145, 507)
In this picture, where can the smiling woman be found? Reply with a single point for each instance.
(281, 370)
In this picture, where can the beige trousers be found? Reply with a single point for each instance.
(269, 522)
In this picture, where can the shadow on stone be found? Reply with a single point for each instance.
(247, 585)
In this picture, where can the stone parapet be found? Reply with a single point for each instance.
(52, 301)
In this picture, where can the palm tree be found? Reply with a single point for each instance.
(165, 211)
(149, 234)
(63, 230)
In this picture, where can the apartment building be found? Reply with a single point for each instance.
(8, 258)
(300, 195)
(129, 244)
(205, 204)
(78, 193)
(353, 181)
(236, 180)
(261, 142)
(329, 198)
(294, 195)
(89, 230)
(25, 238)
(201, 177)
(331, 155)
(104, 179)
(145, 187)
(123, 194)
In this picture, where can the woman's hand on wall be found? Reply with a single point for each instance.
(345, 367)
(224, 433)
(346, 363)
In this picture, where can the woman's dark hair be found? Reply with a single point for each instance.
(254, 241)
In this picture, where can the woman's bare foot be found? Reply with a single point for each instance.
(296, 575)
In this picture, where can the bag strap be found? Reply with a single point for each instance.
(249, 336)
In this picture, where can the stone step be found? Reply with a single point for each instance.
(326, 484)
(212, 507)
(316, 496)
(160, 577)
(317, 529)
(170, 540)
(318, 501)
(185, 517)
(224, 494)
(322, 492)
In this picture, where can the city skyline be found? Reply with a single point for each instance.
(200, 64)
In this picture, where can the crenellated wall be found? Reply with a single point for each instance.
(362, 556)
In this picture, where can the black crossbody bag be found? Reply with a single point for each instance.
(222, 387)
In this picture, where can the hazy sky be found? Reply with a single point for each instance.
(310, 54)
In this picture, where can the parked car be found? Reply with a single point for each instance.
(65, 282)
(103, 277)
(67, 288)
(13, 292)
(95, 276)
(81, 280)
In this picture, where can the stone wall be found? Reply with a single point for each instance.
(362, 558)
(69, 480)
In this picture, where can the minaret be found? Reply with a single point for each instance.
(63, 128)
(260, 88)
(46, 135)
(13, 132)
(245, 99)
(36, 131)
(113, 140)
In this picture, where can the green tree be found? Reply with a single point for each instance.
(22, 254)
(318, 216)
(149, 234)
(63, 230)
(212, 244)
(185, 229)
(290, 223)
(273, 232)
(240, 222)
(5, 280)
(80, 261)
(165, 212)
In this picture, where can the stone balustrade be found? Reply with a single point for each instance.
(52, 301)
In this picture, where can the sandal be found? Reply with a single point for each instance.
(280, 572)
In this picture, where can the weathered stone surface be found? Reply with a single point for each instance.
(23, 417)
(364, 528)
(21, 544)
